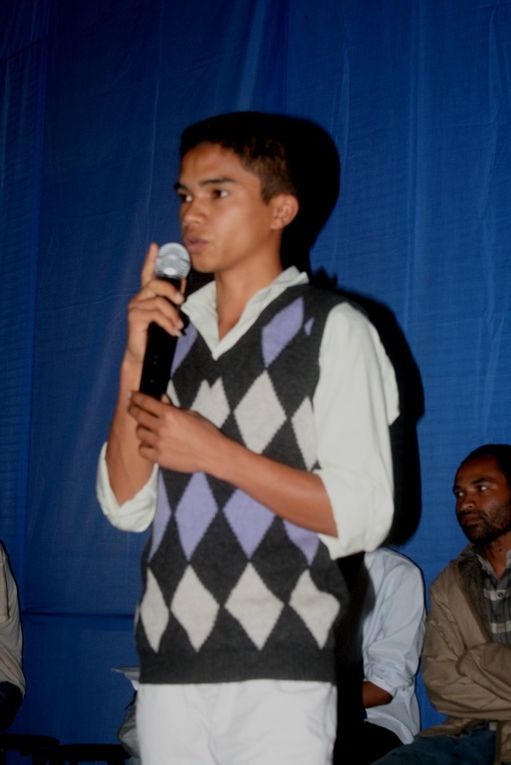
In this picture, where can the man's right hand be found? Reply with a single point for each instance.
(158, 300)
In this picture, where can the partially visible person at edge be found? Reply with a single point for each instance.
(269, 459)
(467, 649)
(12, 680)
(380, 646)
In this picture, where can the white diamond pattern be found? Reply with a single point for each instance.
(254, 606)
(211, 402)
(303, 426)
(258, 427)
(154, 613)
(195, 608)
(317, 609)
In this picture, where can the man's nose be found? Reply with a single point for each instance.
(467, 503)
(193, 211)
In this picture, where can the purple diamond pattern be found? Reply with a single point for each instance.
(248, 519)
(281, 330)
(308, 326)
(306, 540)
(161, 517)
(184, 346)
(194, 513)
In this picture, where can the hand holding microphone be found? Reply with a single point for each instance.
(173, 264)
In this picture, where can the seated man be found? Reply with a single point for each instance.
(12, 682)
(389, 600)
(467, 649)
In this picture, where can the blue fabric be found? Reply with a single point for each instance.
(94, 95)
(475, 748)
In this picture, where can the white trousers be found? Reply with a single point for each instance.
(257, 722)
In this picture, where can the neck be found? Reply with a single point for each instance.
(233, 293)
(496, 553)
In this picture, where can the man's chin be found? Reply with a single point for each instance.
(475, 534)
(482, 537)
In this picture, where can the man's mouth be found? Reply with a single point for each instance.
(194, 244)
(469, 519)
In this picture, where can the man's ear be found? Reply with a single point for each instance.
(285, 208)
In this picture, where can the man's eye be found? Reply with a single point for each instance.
(219, 193)
(183, 197)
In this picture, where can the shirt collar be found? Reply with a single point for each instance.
(200, 307)
(486, 565)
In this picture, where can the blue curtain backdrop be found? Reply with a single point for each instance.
(94, 94)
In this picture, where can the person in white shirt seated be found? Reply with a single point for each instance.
(379, 651)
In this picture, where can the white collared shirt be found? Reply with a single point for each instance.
(392, 637)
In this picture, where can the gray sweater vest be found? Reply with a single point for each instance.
(231, 591)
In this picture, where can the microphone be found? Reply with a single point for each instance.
(173, 264)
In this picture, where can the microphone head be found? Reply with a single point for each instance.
(172, 261)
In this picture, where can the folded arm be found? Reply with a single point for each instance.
(185, 441)
(472, 682)
(394, 629)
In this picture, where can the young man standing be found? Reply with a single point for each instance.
(269, 459)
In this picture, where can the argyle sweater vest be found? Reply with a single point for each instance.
(231, 591)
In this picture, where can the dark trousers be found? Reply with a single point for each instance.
(476, 747)
(363, 744)
(10, 701)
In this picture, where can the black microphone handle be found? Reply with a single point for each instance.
(172, 264)
(157, 364)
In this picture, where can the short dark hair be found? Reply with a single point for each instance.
(501, 453)
(288, 154)
(258, 139)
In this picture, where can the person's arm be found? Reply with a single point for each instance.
(11, 636)
(128, 470)
(184, 441)
(393, 630)
(355, 402)
(135, 514)
(459, 684)
(374, 696)
(490, 665)
(353, 444)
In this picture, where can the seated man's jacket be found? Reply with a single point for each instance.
(467, 676)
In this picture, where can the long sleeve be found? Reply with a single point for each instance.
(355, 402)
(134, 515)
(11, 638)
(394, 629)
(489, 665)
(465, 681)
(392, 636)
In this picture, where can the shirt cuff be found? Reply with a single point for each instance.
(137, 513)
(385, 682)
(362, 512)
